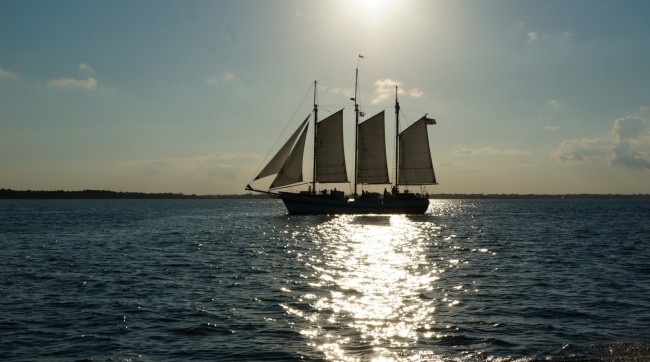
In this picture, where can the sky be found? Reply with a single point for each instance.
(539, 96)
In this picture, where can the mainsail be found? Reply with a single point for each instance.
(291, 171)
(372, 167)
(330, 156)
(415, 167)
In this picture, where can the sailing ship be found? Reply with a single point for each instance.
(413, 165)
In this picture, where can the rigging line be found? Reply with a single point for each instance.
(405, 118)
(336, 90)
(408, 119)
(292, 185)
(336, 75)
(337, 107)
(414, 110)
(322, 108)
(375, 108)
(291, 120)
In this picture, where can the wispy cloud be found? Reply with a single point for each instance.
(348, 92)
(518, 28)
(86, 69)
(70, 83)
(553, 104)
(628, 145)
(201, 174)
(89, 83)
(542, 37)
(552, 128)
(220, 165)
(7, 74)
(565, 36)
(583, 150)
(220, 79)
(461, 150)
(632, 137)
(305, 14)
(232, 33)
(415, 93)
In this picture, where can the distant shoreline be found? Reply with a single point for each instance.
(105, 194)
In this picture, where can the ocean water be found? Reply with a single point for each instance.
(471, 280)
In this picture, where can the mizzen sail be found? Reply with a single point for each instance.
(415, 166)
(372, 166)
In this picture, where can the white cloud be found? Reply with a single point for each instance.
(460, 150)
(220, 79)
(532, 37)
(6, 74)
(385, 90)
(627, 146)
(552, 128)
(70, 83)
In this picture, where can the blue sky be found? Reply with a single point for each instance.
(191, 96)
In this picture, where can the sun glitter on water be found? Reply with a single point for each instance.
(371, 272)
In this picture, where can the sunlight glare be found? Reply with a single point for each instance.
(373, 11)
(375, 6)
(375, 269)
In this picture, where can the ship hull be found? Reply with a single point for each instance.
(309, 204)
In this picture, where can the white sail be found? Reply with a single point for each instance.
(372, 167)
(275, 165)
(291, 171)
(415, 166)
(330, 156)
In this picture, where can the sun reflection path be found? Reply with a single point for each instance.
(375, 279)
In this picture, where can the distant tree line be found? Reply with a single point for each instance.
(539, 196)
(104, 194)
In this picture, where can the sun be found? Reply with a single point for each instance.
(374, 8)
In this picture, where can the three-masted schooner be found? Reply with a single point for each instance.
(413, 165)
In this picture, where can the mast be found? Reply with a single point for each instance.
(396, 139)
(356, 128)
(313, 176)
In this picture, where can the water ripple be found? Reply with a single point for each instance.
(494, 280)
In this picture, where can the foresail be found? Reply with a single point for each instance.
(291, 171)
(275, 165)
(330, 156)
(415, 166)
(372, 166)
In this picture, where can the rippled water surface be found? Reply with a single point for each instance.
(240, 280)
